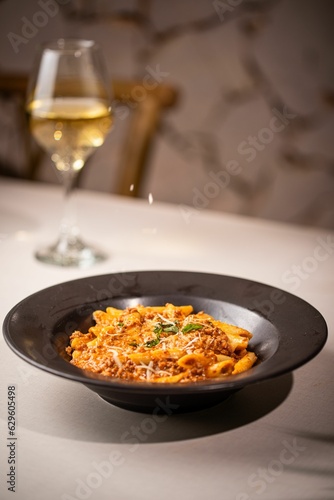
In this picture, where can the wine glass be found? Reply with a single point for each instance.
(69, 110)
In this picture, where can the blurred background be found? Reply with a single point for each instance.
(225, 105)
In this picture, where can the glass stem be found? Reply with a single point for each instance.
(69, 231)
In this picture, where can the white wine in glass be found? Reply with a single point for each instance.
(70, 115)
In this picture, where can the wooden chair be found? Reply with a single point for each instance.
(145, 117)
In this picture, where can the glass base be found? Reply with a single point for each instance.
(70, 254)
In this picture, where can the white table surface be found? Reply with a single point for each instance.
(269, 441)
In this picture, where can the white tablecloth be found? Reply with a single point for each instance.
(269, 441)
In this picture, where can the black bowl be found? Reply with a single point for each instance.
(287, 331)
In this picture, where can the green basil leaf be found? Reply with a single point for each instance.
(191, 326)
(171, 329)
(152, 343)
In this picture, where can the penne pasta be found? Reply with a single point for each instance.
(221, 368)
(191, 360)
(245, 363)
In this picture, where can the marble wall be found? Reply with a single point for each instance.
(252, 132)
